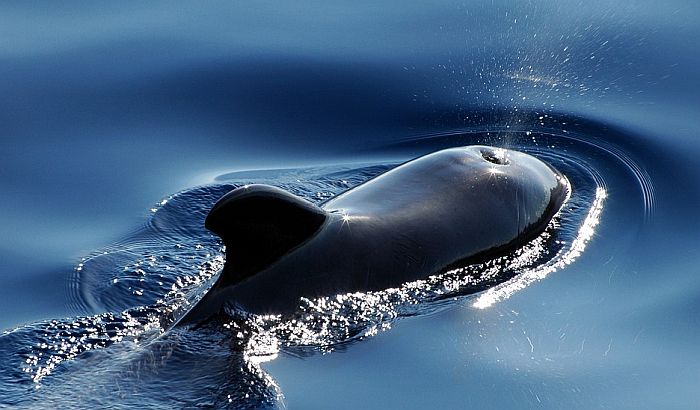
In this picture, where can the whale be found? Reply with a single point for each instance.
(440, 211)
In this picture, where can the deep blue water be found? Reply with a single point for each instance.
(120, 125)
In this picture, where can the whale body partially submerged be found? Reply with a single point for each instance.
(431, 214)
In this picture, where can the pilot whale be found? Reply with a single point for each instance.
(431, 214)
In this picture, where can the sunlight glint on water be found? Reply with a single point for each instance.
(569, 255)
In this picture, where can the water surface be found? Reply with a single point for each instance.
(121, 124)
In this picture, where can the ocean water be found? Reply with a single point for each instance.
(120, 125)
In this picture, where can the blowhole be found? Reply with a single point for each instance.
(495, 156)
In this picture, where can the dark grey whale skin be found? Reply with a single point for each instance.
(446, 209)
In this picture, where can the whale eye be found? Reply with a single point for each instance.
(495, 156)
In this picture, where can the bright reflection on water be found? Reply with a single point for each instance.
(568, 256)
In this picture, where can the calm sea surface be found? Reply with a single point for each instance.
(120, 126)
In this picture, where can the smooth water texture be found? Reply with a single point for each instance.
(121, 125)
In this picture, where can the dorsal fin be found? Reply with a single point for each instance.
(259, 224)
